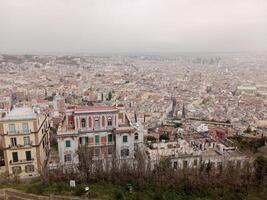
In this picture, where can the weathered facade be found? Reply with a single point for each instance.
(25, 142)
(105, 129)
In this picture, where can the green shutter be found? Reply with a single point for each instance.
(125, 138)
(97, 139)
(28, 155)
(15, 156)
(110, 138)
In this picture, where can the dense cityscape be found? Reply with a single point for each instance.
(192, 110)
(133, 100)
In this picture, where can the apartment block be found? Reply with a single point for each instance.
(24, 137)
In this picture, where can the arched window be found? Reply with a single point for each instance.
(83, 123)
(103, 121)
(96, 122)
(136, 136)
(109, 121)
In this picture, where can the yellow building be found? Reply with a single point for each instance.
(24, 140)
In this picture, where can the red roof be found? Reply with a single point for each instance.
(93, 108)
(84, 108)
(124, 130)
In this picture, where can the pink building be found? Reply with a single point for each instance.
(106, 129)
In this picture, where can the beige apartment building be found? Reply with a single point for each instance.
(24, 140)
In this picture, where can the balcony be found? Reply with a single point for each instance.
(97, 145)
(19, 162)
(18, 132)
(20, 146)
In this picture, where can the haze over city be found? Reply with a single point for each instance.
(126, 26)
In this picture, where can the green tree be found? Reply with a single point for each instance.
(109, 96)
(164, 136)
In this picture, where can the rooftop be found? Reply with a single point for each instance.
(19, 114)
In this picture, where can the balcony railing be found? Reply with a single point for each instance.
(97, 145)
(21, 161)
(18, 132)
(21, 145)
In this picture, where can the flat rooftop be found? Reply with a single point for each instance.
(20, 114)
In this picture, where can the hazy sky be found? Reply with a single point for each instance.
(116, 26)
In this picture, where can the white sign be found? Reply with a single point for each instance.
(72, 183)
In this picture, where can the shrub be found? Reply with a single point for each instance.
(79, 190)
(164, 136)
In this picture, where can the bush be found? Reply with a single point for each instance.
(79, 190)
(37, 188)
(151, 138)
(164, 136)
(118, 195)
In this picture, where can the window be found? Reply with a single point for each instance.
(110, 138)
(109, 121)
(136, 136)
(13, 142)
(125, 138)
(29, 168)
(67, 143)
(26, 140)
(103, 140)
(185, 164)
(83, 123)
(83, 140)
(103, 121)
(25, 128)
(97, 151)
(16, 170)
(97, 122)
(28, 155)
(67, 158)
(97, 139)
(91, 140)
(110, 150)
(12, 128)
(15, 156)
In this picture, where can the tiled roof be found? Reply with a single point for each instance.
(94, 108)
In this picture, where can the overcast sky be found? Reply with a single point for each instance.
(129, 26)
